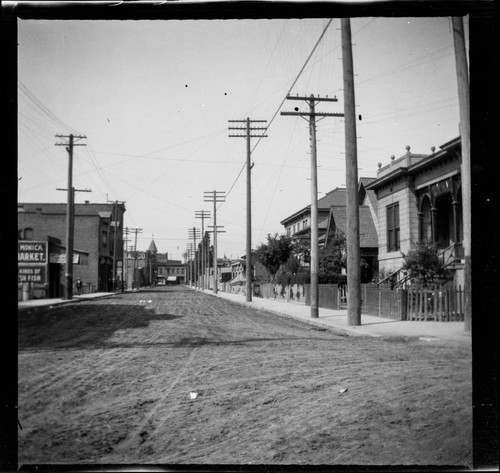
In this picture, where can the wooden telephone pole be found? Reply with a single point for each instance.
(248, 129)
(72, 224)
(215, 197)
(68, 289)
(312, 114)
(202, 214)
(351, 171)
(189, 255)
(464, 106)
(134, 273)
(194, 233)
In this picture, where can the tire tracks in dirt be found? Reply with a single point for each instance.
(136, 437)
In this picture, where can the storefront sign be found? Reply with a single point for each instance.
(32, 252)
(33, 274)
(61, 258)
(140, 255)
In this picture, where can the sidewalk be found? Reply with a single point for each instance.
(372, 326)
(35, 303)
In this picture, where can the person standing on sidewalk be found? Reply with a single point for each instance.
(79, 285)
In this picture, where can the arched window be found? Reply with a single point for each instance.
(426, 228)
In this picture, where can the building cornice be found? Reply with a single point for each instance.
(447, 151)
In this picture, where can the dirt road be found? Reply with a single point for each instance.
(109, 381)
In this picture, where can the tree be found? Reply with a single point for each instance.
(274, 253)
(423, 265)
(292, 272)
(301, 248)
(332, 258)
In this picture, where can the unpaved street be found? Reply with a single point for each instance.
(109, 381)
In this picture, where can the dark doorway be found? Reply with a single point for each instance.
(54, 280)
(444, 220)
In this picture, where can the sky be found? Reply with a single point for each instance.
(154, 100)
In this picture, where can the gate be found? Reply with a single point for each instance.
(342, 290)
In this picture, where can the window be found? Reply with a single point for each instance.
(393, 227)
(304, 223)
(104, 240)
(28, 234)
(426, 222)
(288, 231)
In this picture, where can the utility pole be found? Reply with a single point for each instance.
(68, 290)
(72, 217)
(194, 233)
(202, 214)
(351, 169)
(215, 230)
(215, 197)
(248, 134)
(312, 114)
(134, 274)
(189, 253)
(464, 107)
(125, 261)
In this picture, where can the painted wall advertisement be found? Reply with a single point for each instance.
(32, 262)
(32, 252)
(34, 274)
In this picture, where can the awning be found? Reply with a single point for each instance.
(57, 254)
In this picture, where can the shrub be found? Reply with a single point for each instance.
(423, 265)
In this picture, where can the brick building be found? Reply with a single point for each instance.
(168, 267)
(94, 237)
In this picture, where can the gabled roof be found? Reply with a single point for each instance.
(367, 232)
(335, 197)
(367, 193)
(364, 181)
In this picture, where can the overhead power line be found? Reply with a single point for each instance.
(43, 108)
(283, 101)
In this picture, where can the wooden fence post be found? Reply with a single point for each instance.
(426, 294)
(421, 304)
(380, 302)
(434, 303)
(460, 301)
(409, 310)
(403, 304)
(446, 305)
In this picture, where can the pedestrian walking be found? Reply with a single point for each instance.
(79, 285)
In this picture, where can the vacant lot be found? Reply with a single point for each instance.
(109, 381)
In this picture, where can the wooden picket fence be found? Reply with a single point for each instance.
(438, 303)
(435, 303)
(382, 301)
